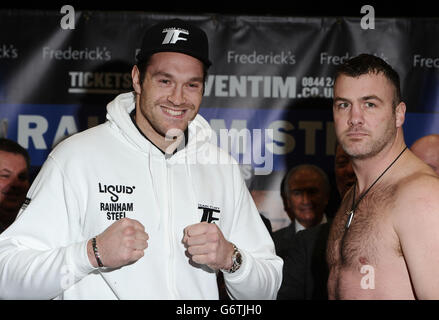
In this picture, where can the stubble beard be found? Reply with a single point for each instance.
(157, 123)
(364, 149)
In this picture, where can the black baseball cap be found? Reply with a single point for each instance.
(175, 36)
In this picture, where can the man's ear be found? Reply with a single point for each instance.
(400, 114)
(135, 75)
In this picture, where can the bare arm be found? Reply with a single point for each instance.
(417, 225)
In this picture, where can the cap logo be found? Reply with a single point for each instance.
(173, 35)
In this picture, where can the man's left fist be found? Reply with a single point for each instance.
(206, 244)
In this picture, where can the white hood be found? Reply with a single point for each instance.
(118, 113)
(198, 150)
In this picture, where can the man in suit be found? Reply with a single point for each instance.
(305, 271)
(306, 191)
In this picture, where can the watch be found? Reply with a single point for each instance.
(236, 260)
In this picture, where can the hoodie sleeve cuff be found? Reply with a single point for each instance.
(242, 272)
(77, 259)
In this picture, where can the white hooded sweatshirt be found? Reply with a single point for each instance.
(111, 171)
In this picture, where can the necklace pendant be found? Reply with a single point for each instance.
(351, 216)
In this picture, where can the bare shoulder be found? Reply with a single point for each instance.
(420, 184)
(417, 198)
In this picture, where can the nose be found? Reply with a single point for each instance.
(306, 197)
(177, 97)
(355, 116)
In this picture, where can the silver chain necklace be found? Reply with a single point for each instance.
(355, 204)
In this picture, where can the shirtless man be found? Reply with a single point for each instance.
(389, 247)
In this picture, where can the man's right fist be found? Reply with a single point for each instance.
(120, 244)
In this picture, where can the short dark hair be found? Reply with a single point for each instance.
(11, 146)
(366, 64)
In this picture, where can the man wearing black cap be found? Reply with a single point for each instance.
(144, 206)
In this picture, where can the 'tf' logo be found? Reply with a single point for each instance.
(173, 35)
(208, 214)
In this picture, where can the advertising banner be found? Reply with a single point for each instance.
(267, 95)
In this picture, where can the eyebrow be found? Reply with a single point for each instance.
(371, 97)
(161, 74)
(168, 75)
(365, 98)
(341, 99)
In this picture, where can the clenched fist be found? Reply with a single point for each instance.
(206, 244)
(120, 244)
